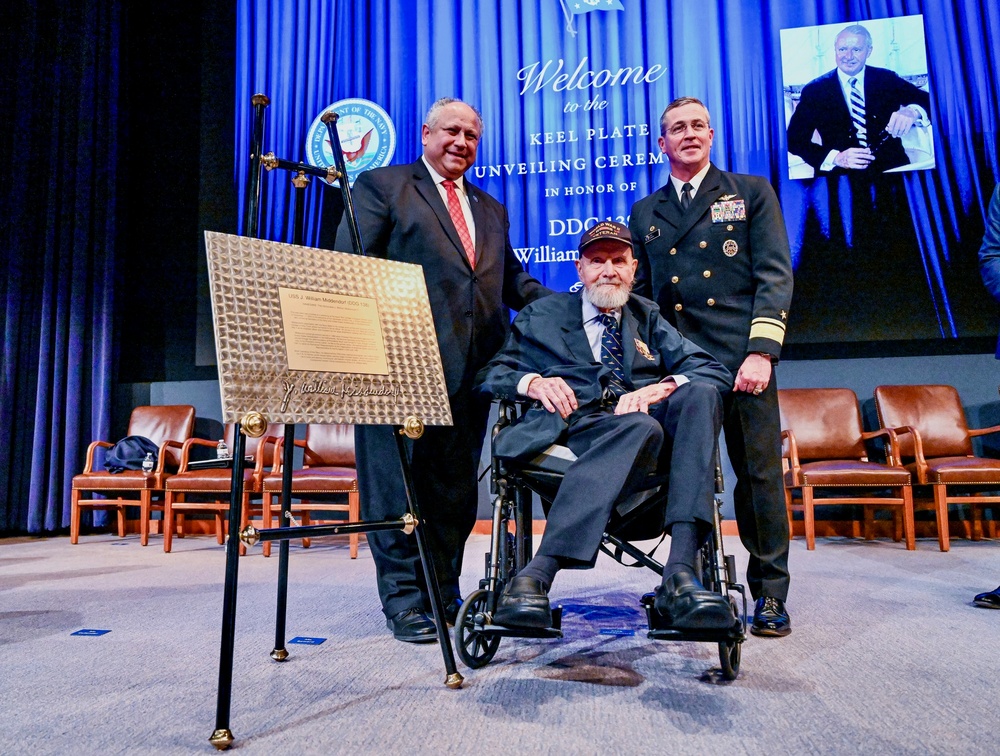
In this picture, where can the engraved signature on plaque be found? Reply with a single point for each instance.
(351, 386)
(332, 333)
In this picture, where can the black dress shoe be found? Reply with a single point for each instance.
(412, 626)
(770, 618)
(688, 606)
(990, 600)
(524, 603)
(451, 610)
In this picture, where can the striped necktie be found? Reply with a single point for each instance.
(858, 111)
(612, 355)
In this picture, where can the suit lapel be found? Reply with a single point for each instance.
(425, 186)
(479, 219)
(574, 335)
(630, 332)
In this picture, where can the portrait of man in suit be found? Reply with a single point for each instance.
(854, 117)
(428, 214)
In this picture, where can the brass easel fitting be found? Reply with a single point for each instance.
(413, 427)
(249, 535)
(222, 739)
(254, 424)
(300, 180)
(269, 160)
(454, 681)
(409, 523)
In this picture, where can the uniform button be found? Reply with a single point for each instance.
(468, 313)
(729, 227)
(675, 279)
(707, 274)
(673, 250)
(703, 244)
(711, 302)
(475, 279)
(678, 307)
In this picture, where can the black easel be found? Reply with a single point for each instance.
(254, 425)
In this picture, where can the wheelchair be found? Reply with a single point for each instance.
(637, 517)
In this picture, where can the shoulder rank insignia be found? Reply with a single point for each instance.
(643, 350)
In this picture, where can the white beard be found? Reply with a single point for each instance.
(608, 296)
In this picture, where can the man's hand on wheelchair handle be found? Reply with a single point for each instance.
(642, 399)
(554, 394)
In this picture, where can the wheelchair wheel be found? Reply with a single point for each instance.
(729, 658)
(475, 648)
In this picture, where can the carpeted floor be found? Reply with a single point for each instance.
(887, 656)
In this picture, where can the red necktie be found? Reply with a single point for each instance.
(458, 218)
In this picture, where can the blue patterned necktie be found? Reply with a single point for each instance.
(612, 355)
(858, 111)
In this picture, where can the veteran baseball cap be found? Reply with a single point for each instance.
(605, 230)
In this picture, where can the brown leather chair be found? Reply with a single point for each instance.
(168, 426)
(328, 468)
(824, 448)
(936, 444)
(214, 484)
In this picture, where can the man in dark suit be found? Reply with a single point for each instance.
(989, 266)
(713, 253)
(859, 112)
(426, 213)
(621, 388)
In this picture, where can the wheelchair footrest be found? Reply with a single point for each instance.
(519, 632)
(659, 629)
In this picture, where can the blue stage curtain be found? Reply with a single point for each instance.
(306, 54)
(61, 64)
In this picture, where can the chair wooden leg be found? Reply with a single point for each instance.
(788, 509)
(809, 516)
(354, 515)
(145, 505)
(121, 517)
(977, 521)
(306, 520)
(265, 515)
(909, 526)
(168, 521)
(941, 507)
(869, 514)
(74, 517)
(897, 524)
(179, 520)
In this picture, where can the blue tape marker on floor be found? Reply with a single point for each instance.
(617, 631)
(119, 543)
(87, 631)
(303, 640)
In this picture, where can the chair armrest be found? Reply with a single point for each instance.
(792, 453)
(984, 431)
(891, 449)
(279, 446)
(169, 443)
(186, 450)
(918, 450)
(258, 468)
(94, 445)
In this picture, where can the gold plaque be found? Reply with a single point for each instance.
(308, 335)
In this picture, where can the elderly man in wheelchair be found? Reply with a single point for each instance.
(612, 380)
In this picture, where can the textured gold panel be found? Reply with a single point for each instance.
(245, 274)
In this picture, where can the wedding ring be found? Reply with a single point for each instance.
(757, 390)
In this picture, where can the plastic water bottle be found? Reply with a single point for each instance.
(222, 451)
(148, 463)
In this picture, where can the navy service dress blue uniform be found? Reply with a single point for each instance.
(721, 272)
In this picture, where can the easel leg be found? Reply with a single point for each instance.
(453, 678)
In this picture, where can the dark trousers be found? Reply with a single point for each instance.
(444, 463)
(753, 438)
(614, 454)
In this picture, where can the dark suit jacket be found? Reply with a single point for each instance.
(822, 108)
(728, 304)
(548, 338)
(402, 217)
(989, 252)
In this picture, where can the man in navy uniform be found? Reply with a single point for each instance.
(622, 389)
(713, 252)
(426, 213)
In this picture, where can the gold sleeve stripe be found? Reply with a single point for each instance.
(772, 321)
(765, 328)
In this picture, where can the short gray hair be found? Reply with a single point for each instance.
(679, 103)
(858, 30)
(434, 112)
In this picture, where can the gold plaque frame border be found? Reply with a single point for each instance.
(244, 276)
